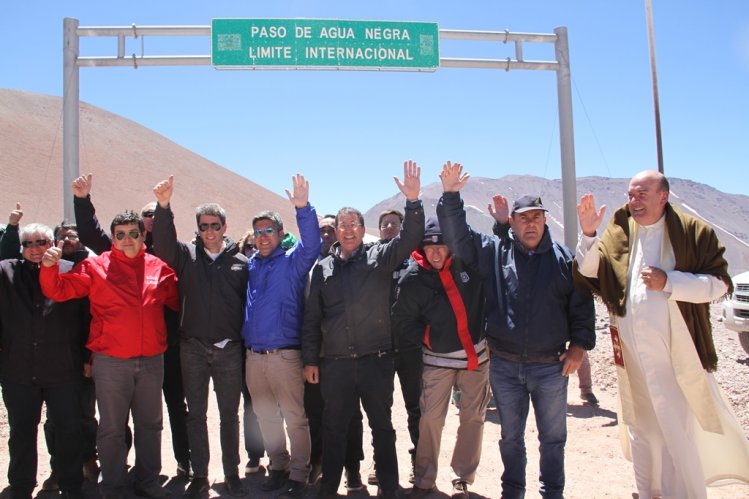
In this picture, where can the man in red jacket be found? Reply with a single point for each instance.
(128, 290)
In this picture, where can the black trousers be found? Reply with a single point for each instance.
(346, 383)
(313, 406)
(408, 366)
(89, 425)
(24, 405)
(174, 396)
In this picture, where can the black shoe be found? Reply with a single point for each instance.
(293, 490)
(418, 492)
(372, 477)
(253, 466)
(51, 484)
(589, 398)
(353, 481)
(387, 494)
(72, 494)
(152, 491)
(276, 479)
(315, 473)
(234, 486)
(198, 488)
(460, 490)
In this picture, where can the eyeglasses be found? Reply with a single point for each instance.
(268, 231)
(213, 225)
(147, 214)
(387, 225)
(134, 234)
(352, 225)
(34, 244)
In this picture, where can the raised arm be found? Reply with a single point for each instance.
(10, 241)
(499, 209)
(62, 287)
(307, 250)
(89, 230)
(164, 233)
(394, 252)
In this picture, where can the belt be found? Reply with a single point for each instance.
(275, 350)
(535, 358)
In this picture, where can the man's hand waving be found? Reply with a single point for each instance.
(452, 177)
(300, 197)
(411, 185)
(163, 191)
(590, 219)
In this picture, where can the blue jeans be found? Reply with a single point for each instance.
(200, 364)
(513, 384)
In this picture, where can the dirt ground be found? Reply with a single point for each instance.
(594, 463)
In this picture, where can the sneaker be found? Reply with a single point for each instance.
(275, 480)
(589, 399)
(418, 492)
(460, 490)
(372, 477)
(293, 490)
(183, 470)
(51, 484)
(198, 488)
(353, 481)
(253, 466)
(153, 491)
(315, 473)
(234, 486)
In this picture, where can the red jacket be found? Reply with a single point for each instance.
(127, 298)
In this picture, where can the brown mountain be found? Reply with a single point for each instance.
(126, 159)
(727, 213)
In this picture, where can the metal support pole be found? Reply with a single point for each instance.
(70, 113)
(566, 138)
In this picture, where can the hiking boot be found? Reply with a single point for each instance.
(460, 490)
(275, 480)
(198, 488)
(293, 490)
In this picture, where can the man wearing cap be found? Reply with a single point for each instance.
(440, 309)
(538, 325)
(657, 270)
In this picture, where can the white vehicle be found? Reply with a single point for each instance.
(736, 309)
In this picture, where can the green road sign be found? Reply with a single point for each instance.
(323, 43)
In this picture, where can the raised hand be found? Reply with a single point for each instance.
(15, 215)
(411, 185)
(82, 186)
(589, 218)
(499, 209)
(53, 255)
(300, 196)
(452, 177)
(163, 191)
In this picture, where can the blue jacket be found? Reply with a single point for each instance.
(533, 308)
(275, 292)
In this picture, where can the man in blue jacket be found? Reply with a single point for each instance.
(538, 326)
(272, 333)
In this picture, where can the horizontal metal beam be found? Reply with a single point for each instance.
(144, 30)
(496, 36)
(152, 60)
(505, 64)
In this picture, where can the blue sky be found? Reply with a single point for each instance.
(349, 132)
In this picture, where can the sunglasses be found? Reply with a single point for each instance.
(268, 231)
(134, 234)
(34, 244)
(147, 214)
(352, 225)
(214, 225)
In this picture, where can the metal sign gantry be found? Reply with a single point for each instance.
(72, 61)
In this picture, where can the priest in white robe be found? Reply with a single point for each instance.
(657, 270)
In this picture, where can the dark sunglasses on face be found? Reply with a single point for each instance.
(147, 214)
(214, 225)
(134, 234)
(268, 231)
(34, 244)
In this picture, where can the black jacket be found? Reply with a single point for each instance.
(212, 293)
(424, 314)
(533, 307)
(43, 341)
(347, 313)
